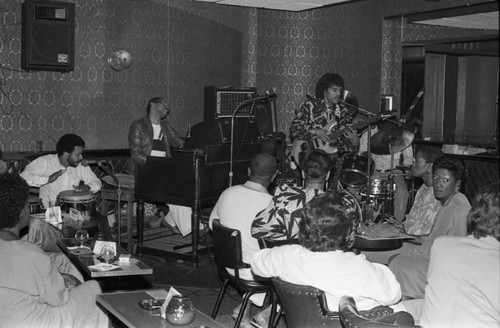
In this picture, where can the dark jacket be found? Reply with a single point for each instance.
(140, 139)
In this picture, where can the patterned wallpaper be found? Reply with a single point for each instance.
(180, 46)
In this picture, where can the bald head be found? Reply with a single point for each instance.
(263, 167)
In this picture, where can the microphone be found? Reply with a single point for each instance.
(88, 162)
(268, 94)
(271, 92)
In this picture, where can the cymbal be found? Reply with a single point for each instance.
(391, 140)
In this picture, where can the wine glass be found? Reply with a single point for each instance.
(81, 235)
(107, 253)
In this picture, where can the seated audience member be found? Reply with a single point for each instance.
(236, 208)
(33, 292)
(411, 267)
(323, 259)
(279, 221)
(463, 288)
(420, 220)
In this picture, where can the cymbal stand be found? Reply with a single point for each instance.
(366, 211)
(390, 181)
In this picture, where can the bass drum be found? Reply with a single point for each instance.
(354, 170)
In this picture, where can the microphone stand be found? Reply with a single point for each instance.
(118, 200)
(240, 106)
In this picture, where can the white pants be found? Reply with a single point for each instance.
(180, 216)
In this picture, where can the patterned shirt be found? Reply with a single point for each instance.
(423, 212)
(280, 219)
(314, 114)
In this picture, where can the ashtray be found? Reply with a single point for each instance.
(151, 304)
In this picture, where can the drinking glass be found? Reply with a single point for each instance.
(107, 253)
(81, 235)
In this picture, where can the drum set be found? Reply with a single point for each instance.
(376, 193)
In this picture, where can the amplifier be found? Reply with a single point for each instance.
(222, 102)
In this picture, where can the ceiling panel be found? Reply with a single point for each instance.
(488, 21)
(288, 5)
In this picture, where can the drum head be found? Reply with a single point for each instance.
(75, 196)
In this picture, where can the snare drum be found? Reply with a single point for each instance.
(380, 186)
(35, 204)
(354, 170)
(81, 201)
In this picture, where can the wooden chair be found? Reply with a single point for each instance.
(228, 255)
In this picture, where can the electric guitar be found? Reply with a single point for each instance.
(299, 146)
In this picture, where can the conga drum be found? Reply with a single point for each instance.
(84, 202)
(35, 204)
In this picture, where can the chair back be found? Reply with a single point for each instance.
(377, 318)
(227, 247)
(270, 243)
(304, 306)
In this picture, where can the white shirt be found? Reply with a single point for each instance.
(236, 209)
(337, 273)
(37, 174)
(463, 287)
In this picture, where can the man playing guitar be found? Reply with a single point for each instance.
(320, 116)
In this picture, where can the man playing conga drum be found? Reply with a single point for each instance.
(55, 173)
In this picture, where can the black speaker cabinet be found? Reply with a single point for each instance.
(265, 118)
(48, 36)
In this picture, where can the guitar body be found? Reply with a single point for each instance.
(299, 146)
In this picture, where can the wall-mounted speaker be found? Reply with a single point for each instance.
(48, 36)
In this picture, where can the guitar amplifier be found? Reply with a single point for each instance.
(222, 102)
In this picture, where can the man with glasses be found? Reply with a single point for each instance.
(153, 136)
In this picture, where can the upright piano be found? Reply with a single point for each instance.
(193, 178)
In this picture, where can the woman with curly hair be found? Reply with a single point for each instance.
(34, 293)
(323, 259)
(411, 267)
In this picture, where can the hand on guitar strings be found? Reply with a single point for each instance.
(352, 136)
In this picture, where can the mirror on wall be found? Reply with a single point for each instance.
(456, 66)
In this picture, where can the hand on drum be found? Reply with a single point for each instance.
(81, 188)
(54, 176)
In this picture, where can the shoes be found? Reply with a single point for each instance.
(262, 318)
(236, 311)
(170, 227)
(245, 323)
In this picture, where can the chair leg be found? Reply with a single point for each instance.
(275, 315)
(219, 298)
(243, 308)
